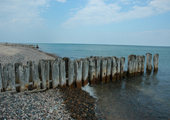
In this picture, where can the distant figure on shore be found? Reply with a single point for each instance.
(37, 46)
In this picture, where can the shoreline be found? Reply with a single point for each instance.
(20, 54)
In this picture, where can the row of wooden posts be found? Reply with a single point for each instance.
(64, 72)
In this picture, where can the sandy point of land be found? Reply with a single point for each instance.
(14, 54)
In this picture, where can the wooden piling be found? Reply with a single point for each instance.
(139, 64)
(118, 68)
(108, 71)
(85, 71)
(136, 65)
(148, 62)
(122, 67)
(114, 64)
(16, 69)
(62, 74)
(92, 70)
(155, 62)
(71, 80)
(78, 72)
(8, 75)
(103, 69)
(142, 63)
(24, 74)
(66, 59)
(29, 64)
(55, 74)
(97, 69)
(131, 65)
(35, 76)
(1, 86)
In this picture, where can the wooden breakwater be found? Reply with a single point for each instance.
(64, 72)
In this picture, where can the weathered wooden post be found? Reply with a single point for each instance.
(97, 68)
(85, 72)
(155, 62)
(47, 71)
(148, 62)
(62, 74)
(142, 63)
(35, 76)
(114, 72)
(122, 67)
(1, 86)
(118, 68)
(66, 59)
(139, 64)
(16, 69)
(71, 80)
(136, 65)
(131, 65)
(103, 69)
(108, 71)
(78, 72)
(24, 77)
(92, 70)
(29, 64)
(55, 74)
(8, 75)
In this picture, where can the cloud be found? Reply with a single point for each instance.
(61, 1)
(21, 13)
(98, 12)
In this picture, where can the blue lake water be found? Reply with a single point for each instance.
(141, 97)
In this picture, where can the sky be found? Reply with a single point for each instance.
(118, 22)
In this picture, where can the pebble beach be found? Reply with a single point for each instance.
(51, 104)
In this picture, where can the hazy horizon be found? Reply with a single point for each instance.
(118, 22)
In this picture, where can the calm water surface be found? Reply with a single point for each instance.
(137, 98)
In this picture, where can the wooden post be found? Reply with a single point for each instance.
(62, 74)
(108, 71)
(103, 69)
(78, 72)
(155, 62)
(16, 69)
(35, 76)
(1, 86)
(114, 72)
(139, 64)
(85, 71)
(55, 73)
(92, 70)
(97, 68)
(122, 67)
(24, 74)
(29, 64)
(136, 65)
(131, 65)
(8, 75)
(148, 62)
(142, 63)
(118, 68)
(71, 80)
(66, 59)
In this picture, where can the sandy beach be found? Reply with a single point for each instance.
(51, 104)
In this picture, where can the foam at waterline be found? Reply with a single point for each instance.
(90, 90)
